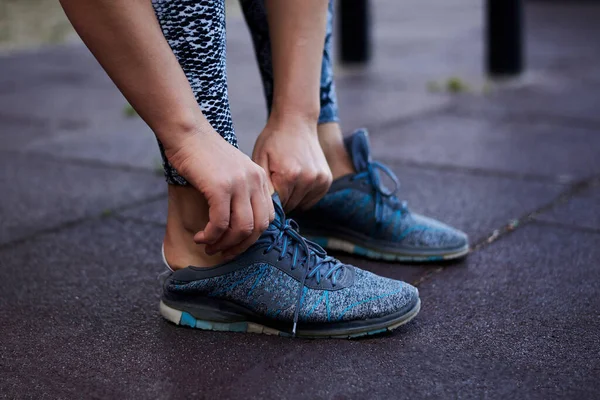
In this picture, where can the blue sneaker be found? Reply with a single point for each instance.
(359, 215)
(285, 285)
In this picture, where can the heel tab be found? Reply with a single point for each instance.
(162, 251)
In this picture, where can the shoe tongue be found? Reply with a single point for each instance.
(358, 147)
(279, 213)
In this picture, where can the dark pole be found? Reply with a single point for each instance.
(504, 37)
(354, 32)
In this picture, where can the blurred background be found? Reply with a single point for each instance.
(513, 160)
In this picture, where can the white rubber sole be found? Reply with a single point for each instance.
(345, 246)
(186, 319)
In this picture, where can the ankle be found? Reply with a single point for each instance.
(332, 143)
(188, 214)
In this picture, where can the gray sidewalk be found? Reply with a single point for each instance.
(518, 168)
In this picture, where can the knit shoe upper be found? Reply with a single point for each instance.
(284, 280)
(361, 215)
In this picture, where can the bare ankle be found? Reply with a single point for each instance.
(332, 143)
(188, 214)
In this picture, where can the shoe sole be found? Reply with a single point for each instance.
(330, 243)
(183, 318)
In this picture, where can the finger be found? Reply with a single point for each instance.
(268, 189)
(300, 191)
(268, 193)
(241, 225)
(320, 189)
(263, 162)
(283, 188)
(219, 213)
(260, 208)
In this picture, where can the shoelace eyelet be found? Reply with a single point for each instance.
(314, 258)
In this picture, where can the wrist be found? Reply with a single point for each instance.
(177, 129)
(295, 115)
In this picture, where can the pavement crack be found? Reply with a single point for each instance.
(536, 118)
(559, 179)
(70, 224)
(562, 225)
(517, 223)
(83, 162)
(121, 217)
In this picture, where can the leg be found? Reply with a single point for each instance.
(195, 30)
(329, 131)
(347, 215)
(278, 286)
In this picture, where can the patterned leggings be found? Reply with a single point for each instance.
(195, 30)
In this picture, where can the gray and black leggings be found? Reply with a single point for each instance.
(195, 30)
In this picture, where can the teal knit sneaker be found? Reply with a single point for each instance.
(288, 286)
(359, 215)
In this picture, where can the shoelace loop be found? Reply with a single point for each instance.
(381, 191)
(314, 259)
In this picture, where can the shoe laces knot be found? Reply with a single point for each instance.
(382, 193)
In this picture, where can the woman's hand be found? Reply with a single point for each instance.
(288, 149)
(237, 191)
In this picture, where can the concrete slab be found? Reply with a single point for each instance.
(522, 320)
(557, 152)
(41, 193)
(546, 99)
(473, 203)
(90, 293)
(502, 326)
(582, 211)
(517, 319)
(498, 326)
(71, 65)
(126, 142)
(60, 102)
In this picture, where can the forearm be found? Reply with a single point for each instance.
(297, 31)
(126, 39)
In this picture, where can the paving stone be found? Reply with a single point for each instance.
(65, 93)
(62, 103)
(90, 293)
(40, 193)
(558, 39)
(502, 326)
(582, 210)
(546, 98)
(124, 142)
(442, 139)
(475, 204)
(77, 122)
(495, 327)
(71, 65)
(522, 319)
(517, 319)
